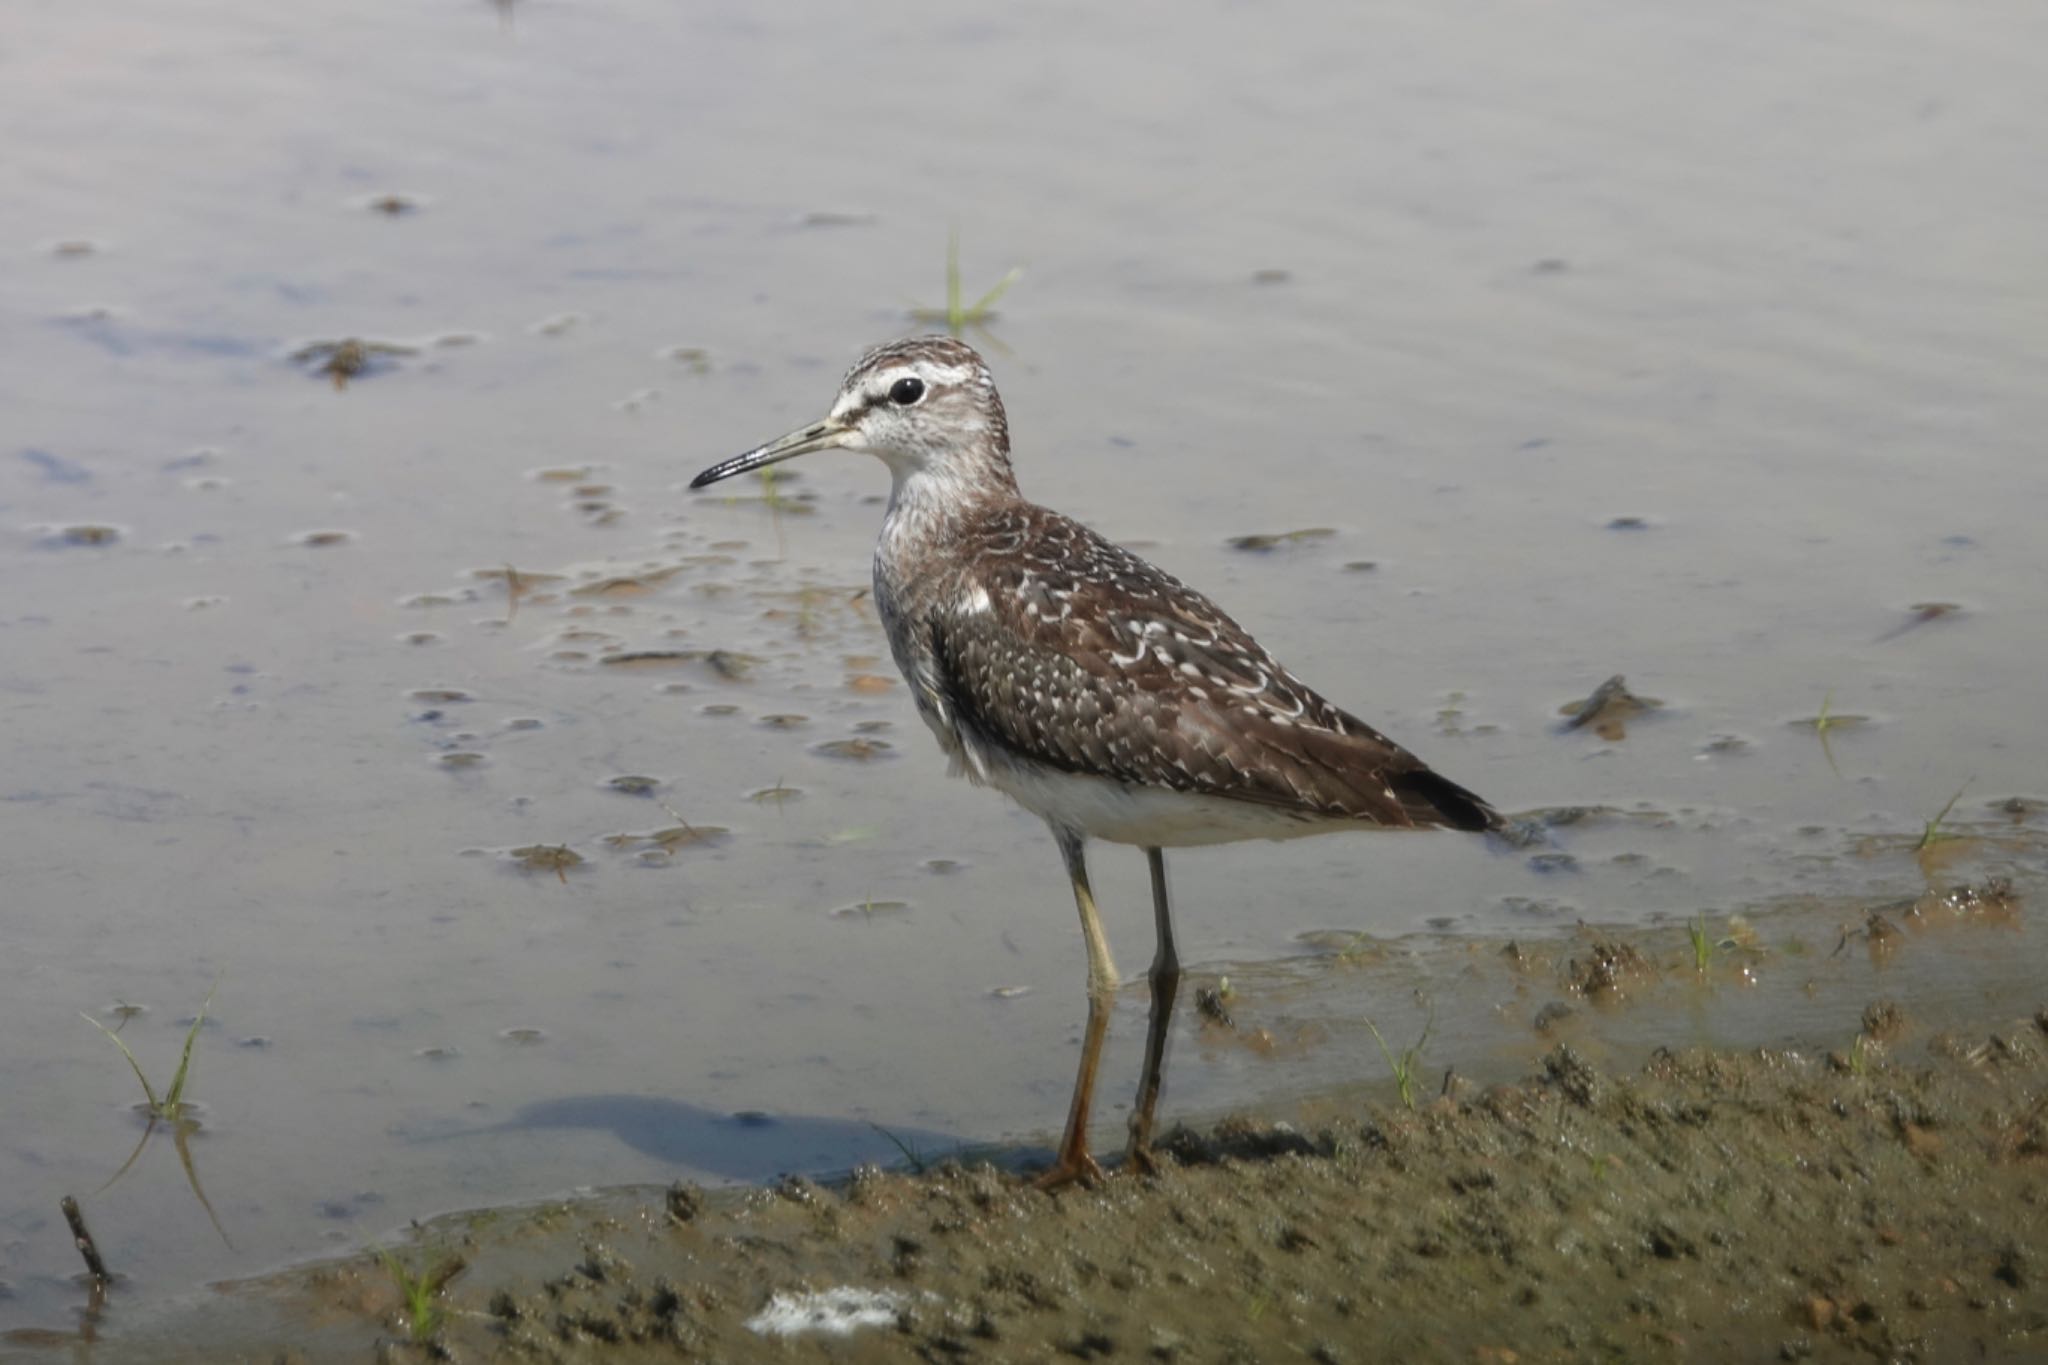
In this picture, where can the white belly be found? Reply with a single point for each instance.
(1155, 817)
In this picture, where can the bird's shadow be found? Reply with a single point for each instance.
(748, 1146)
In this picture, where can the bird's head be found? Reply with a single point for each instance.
(925, 406)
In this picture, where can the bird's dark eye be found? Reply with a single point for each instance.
(904, 392)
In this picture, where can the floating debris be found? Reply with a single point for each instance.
(1629, 524)
(88, 535)
(462, 759)
(665, 841)
(1920, 613)
(868, 684)
(1262, 543)
(651, 658)
(1450, 718)
(439, 696)
(392, 205)
(1272, 275)
(633, 784)
(522, 578)
(1607, 709)
(695, 358)
(555, 858)
(854, 750)
(627, 585)
(350, 358)
(523, 1036)
(688, 836)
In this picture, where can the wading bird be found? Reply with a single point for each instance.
(1095, 690)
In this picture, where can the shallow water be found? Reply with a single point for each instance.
(1764, 280)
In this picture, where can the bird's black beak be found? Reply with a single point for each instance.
(819, 436)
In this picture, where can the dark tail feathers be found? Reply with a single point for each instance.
(1434, 801)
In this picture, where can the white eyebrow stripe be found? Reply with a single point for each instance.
(925, 370)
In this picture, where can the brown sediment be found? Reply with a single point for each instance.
(1709, 1205)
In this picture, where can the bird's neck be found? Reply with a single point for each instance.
(929, 502)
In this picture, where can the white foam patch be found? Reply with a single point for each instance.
(832, 1312)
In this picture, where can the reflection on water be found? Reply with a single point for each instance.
(747, 1147)
(360, 650)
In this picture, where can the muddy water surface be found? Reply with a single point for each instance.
(539, 825)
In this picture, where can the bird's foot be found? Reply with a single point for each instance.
(1140, 1159)
(1072, 1168)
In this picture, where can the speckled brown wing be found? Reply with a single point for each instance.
(1081, 656)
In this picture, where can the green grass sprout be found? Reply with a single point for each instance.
(1932, 833)
(1821, 723)
(170, 1109)
(918, 1162)
(421, 1291)
(1702, 946)
(956, 316)
(1403, 1066)
(170, 1104)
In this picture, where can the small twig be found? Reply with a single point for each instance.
(82, 1237)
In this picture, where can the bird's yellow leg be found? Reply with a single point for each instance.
(1073, 1162)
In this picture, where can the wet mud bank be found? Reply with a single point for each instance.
(1854, 1203)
